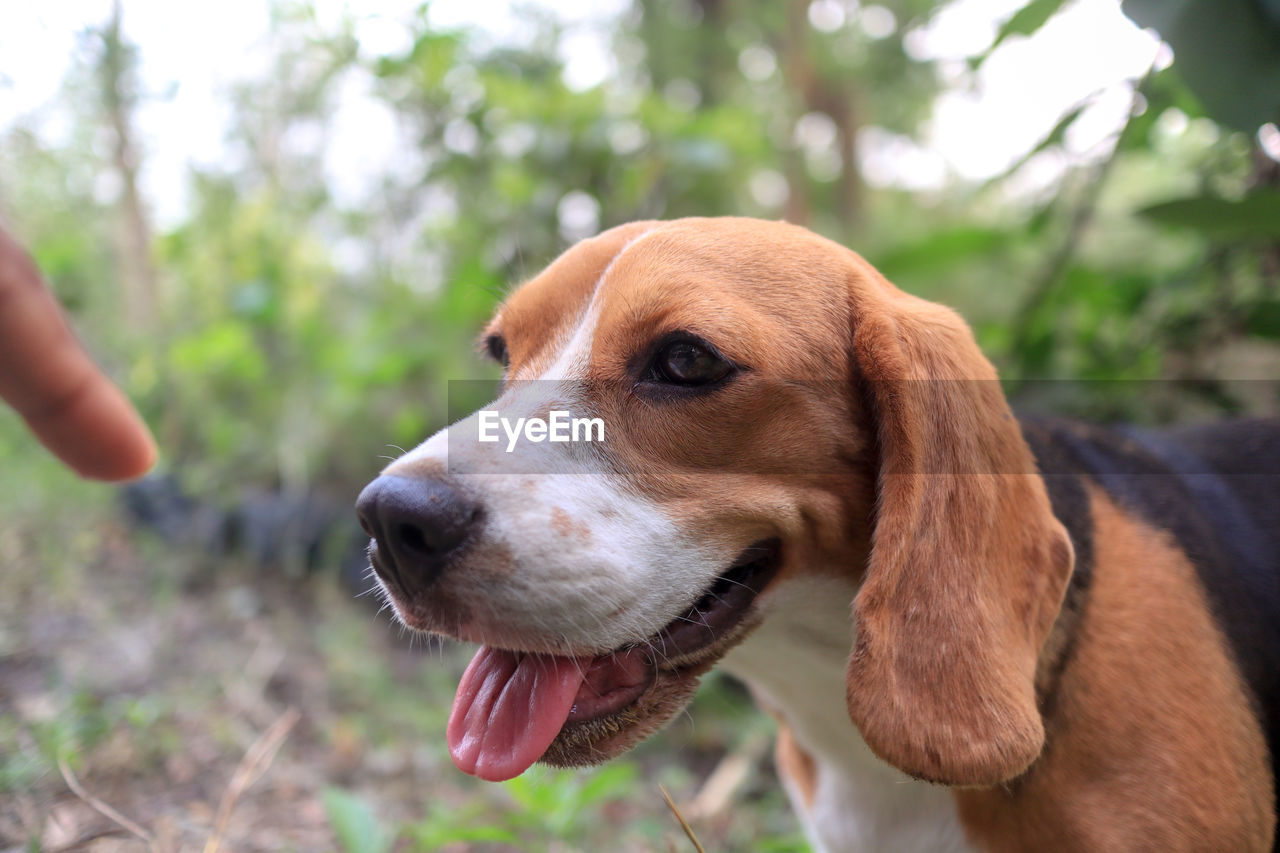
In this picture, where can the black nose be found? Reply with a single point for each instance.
(416, 525)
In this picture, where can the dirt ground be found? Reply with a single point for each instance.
(156, 699)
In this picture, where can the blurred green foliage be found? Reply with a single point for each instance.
(1227, 53)
(287, 333)
(297, 336)
(355, 823)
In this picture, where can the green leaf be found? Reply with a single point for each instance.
(1263, 319)
(611, 782)
(355, 823)
(1256, 216)
(941, 251)
(1227, 51)
(1163, 90)
(1023, 22)
(444, 826)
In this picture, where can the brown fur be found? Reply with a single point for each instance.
(564, 524)
(544, 307)
(782, 452)
(968, 564)
(796, 766)
(896, 460)
(1152, 745)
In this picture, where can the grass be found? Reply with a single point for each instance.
(147, 677)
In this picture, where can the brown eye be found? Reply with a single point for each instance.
(495, 346)
(689, 363)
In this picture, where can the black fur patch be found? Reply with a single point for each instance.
(1070, 503)
(1216, 489)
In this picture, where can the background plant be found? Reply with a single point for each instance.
(282, 334)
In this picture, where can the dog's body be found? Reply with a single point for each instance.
(1062, 638)
(1176, 556)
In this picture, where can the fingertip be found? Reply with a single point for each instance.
(127, 450)
(101, 437)
(135, 458)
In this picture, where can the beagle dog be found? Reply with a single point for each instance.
(976, 632)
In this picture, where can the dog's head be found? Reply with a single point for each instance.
(771, 406)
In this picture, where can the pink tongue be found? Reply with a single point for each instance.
(509, 708)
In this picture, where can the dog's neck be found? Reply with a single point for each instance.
(795, 664)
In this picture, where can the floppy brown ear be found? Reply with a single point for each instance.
(968, 564)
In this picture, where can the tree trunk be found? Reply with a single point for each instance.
(797, 68)
(137, 273)
(837, 98)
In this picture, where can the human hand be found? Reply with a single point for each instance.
(71, 406)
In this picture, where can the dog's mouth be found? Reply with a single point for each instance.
(514, 708)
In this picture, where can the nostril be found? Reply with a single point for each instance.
(416, 523)
(412, 538)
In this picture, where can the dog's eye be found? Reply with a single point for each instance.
(495, 346)
(689, 363)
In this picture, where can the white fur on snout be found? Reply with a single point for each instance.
(568, 555)
(591, 566)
